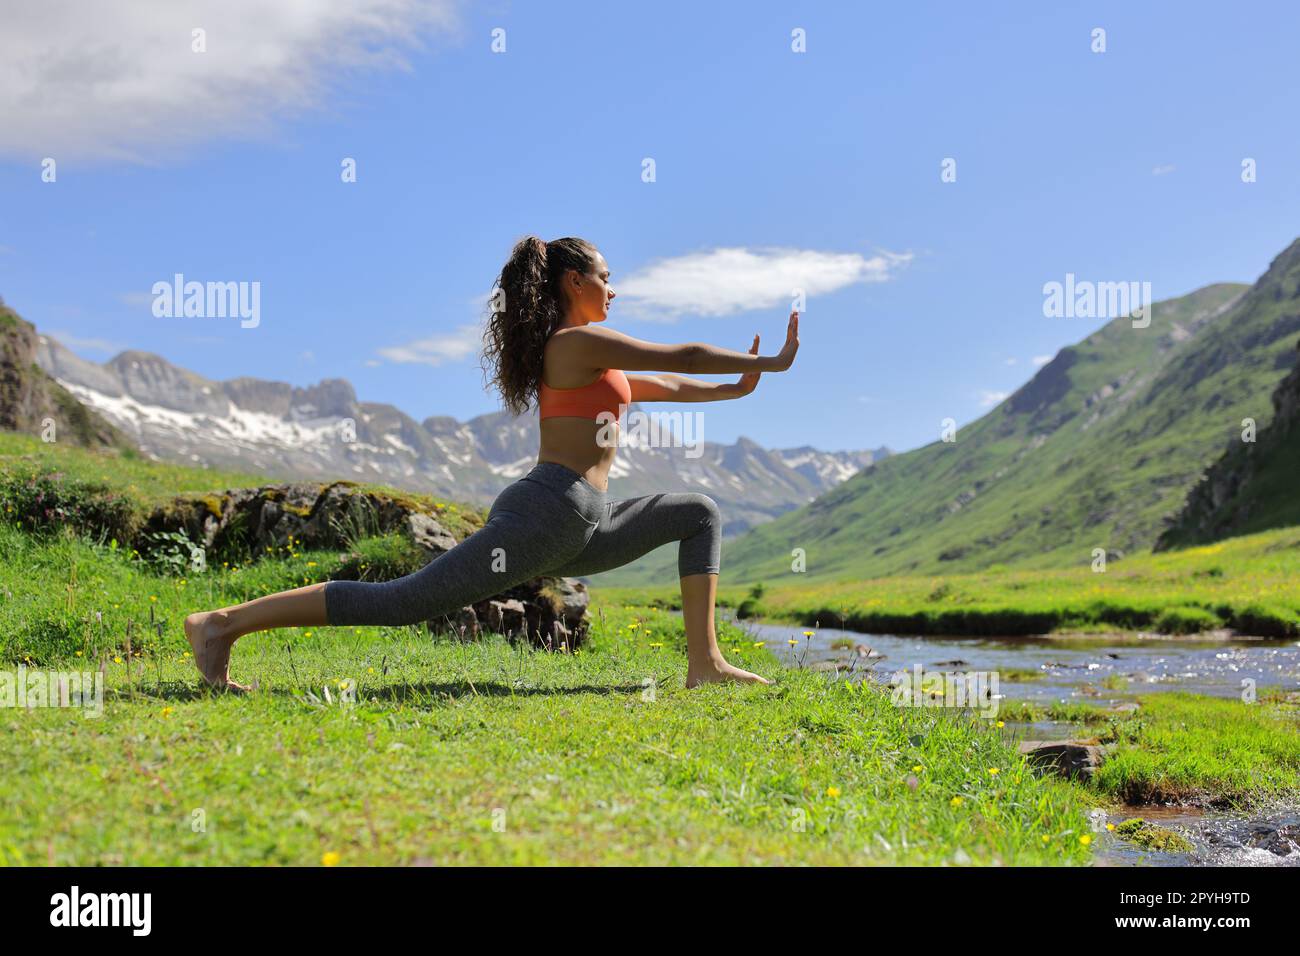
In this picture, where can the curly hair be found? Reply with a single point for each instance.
(525, 309)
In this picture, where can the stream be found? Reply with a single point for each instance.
(1099, 670)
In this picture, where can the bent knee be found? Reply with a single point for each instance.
(702, 508)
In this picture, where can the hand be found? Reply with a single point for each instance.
(785, 358)
(749, 380)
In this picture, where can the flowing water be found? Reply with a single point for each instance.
(1098, 670)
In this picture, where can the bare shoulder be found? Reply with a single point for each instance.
(594, 347)
(586, 333)
(560, 344)
(565, 362)
(583, 343)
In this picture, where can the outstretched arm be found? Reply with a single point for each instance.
(600, 348)
(667, 387)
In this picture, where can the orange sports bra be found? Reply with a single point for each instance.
(587, 401)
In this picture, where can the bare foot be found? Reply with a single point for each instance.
(719, 672)
(211, 651)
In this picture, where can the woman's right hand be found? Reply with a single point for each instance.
(785, 358)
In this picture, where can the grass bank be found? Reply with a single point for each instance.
(1188, 748)
(1246, 583)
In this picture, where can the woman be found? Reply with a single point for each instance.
(545, 340)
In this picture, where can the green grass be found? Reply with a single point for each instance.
(1247, 583)
(1190, 748)
(143, 481)
(453, 753)
(149, 484)
(480, 753)
(61, 593)
(490, 754)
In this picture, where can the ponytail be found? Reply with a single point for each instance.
(525, 308)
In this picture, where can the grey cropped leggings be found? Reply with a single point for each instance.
(552, 521)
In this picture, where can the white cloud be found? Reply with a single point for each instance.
(990, 398)
(1161, 170)
(1011, 361)
(438, 349)
(714, 283)
(1041, 359)
(730, 280)
(119, 80)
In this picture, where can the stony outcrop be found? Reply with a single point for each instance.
(32, 402)
(548, 612)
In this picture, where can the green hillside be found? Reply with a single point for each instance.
(1098, 450)
(1255, 486)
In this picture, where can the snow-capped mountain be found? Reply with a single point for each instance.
(324, 432)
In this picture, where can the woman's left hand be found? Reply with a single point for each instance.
(749, 380)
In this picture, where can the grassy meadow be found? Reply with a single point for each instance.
(394, 746)
(383, 746)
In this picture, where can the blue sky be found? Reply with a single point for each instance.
(225, 166)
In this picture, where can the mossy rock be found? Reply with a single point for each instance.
(1150, 836)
